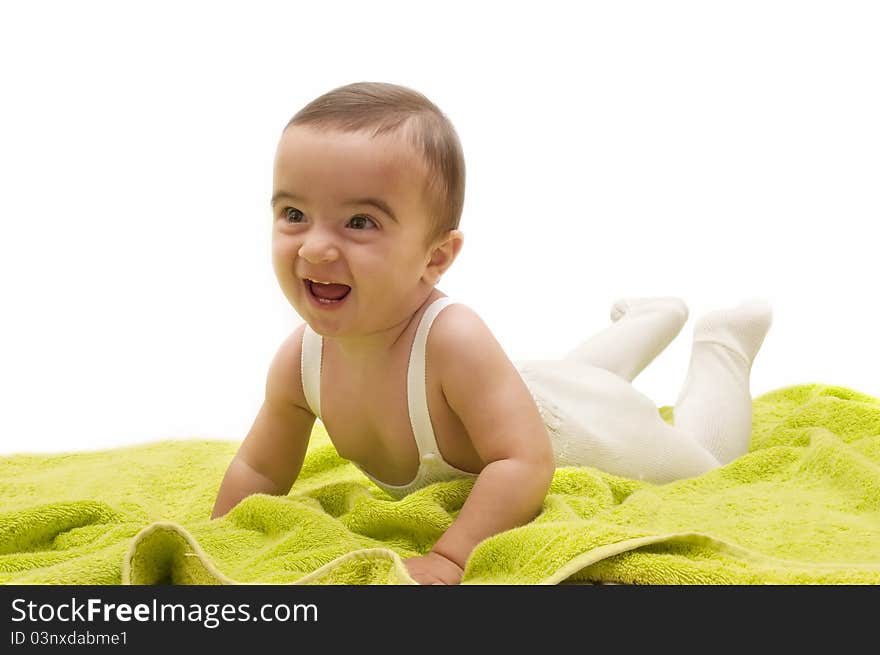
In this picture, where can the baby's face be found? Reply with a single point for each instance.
(349, 209)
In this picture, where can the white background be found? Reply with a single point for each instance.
(712, 151)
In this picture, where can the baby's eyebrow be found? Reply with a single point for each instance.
(378, 203)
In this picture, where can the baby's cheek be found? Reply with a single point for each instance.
(284, 255)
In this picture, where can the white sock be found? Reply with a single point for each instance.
(627, 346)
(715, 404)
(742, 329)
(638, 305)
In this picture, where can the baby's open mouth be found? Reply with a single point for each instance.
(332, 292)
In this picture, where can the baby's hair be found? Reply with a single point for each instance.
(382, 108)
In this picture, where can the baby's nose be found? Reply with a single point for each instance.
(319, 250)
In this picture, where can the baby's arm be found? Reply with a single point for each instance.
(493, 403)
(271, 456)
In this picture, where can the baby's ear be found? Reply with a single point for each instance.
(443, 253)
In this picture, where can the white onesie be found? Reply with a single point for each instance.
(594, 417)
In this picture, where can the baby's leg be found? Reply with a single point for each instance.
(715, 404)
(642, 328)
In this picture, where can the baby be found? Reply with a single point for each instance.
(412, 387)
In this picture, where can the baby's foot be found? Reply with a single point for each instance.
(636, 305)
(741, 329)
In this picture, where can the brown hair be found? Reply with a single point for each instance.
(383, 108)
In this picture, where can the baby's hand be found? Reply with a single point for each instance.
(433, 568)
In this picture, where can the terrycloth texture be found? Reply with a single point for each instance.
(803, 506)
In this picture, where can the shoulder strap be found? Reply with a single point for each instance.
(312, 350)
(416, 378)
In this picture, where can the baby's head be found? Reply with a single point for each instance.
(368, 192)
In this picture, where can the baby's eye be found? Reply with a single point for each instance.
(291, 213)
(358, 221)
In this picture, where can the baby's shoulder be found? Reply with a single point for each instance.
(459, 337)
(456, 319)
(285, 372)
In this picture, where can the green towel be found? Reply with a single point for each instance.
(803, 506)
